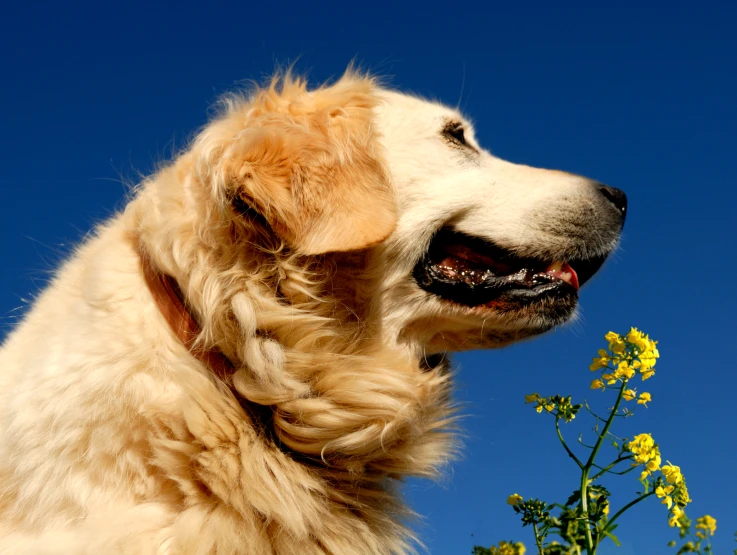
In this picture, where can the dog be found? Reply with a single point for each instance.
(251, 356)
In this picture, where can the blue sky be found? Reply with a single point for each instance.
(641, 96)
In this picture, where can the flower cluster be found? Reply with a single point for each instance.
(671, 486)
(644, 350)
(533, 511)
(645, 452)
(504, 548)
(705, 525)
(631, 394)
(541, 402)
(623, 359)
(561, 405)
(507, 548)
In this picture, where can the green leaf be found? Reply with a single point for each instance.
(574, 498)
(612, 537)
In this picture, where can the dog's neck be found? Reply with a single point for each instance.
(170, 301)
(302, 355)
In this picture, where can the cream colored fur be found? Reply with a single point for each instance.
(292, 224)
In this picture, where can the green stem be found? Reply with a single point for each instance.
(563, 443)
(623, 472)
(588, 408)
(590, 548)
(607, 425)
(610, 466)
(538, 541)
(585, 506)
(627, 506)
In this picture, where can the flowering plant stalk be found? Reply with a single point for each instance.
(585, 520)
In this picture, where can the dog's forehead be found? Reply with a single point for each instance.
(400, 112)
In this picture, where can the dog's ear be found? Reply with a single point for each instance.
(308, 163)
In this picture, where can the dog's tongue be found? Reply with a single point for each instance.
(563, 271)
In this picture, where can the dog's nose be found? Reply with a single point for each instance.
(616, 197)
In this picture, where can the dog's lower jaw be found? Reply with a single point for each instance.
(432, 330)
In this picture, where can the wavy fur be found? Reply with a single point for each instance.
(135, 448)
(291, 224)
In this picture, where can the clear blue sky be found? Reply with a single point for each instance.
(642, 96)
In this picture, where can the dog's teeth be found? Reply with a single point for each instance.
(563, 271)
(556, 266)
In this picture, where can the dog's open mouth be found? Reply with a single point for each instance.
(473, 272)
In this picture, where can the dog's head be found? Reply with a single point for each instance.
(466, 250)
(485, 251)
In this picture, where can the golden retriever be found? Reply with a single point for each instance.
(250, 356)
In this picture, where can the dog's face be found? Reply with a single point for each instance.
(485, 251)
(466, 250)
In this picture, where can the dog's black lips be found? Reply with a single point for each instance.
(486, 273)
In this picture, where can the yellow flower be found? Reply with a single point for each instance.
(597, 364)
(602, 361)
(637, 338)
(645, 452)
(611, 336)
(610, 378)
(606, 508)
(514, 499)
(542, 402)
(644, 364)
(617, 347)
(628, 394)
(598, 384)
(531, 398)
(624, 370)
(672, 474)
(675, 515)
(641, 443)
(647, 374)
(616, 342)
(707, 523)
(663, 493)
(654, 463)
(507, 548)
(642, 341)
(644, 398)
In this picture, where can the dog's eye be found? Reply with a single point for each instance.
(455, 133)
